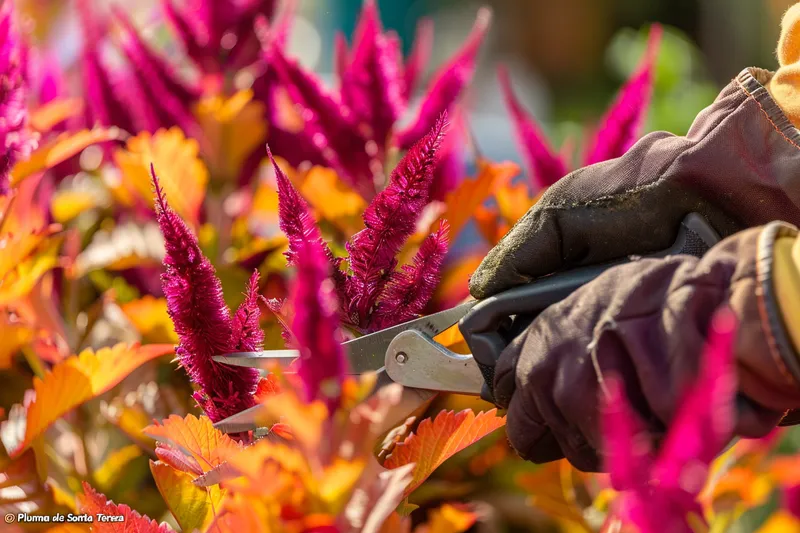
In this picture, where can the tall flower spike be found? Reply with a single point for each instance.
(622, 123)
(417, 60)
(16, 140)
(410, 288)
(328, 124)
(658, 492)
(390, 219)
(372, 85)
(247, 335)
(545, 166)
(321, 365)
(447, 86)
(201, 318)
(170, 98)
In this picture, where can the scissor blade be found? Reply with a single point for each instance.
(257, 359)
(365, 354)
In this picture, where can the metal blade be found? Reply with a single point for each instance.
(365, 354)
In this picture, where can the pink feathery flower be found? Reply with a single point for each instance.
(170, 98)
(622, 123)
(321, 365)
(410, 288)
(417, 61)
(16, 139)
(202, 320)
(544, 165)
(390, 219)
(372, 84)
(246, 332)
(217, 35)
(297, 224)
(659, 491)
(448, 84)
(328, 124)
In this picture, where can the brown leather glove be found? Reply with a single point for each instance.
(646, 322)
(739, 166)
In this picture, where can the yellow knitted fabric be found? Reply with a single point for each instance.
(785, 85)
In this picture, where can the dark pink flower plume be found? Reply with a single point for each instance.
(447, 86)
(247, 335)
(321, 365)
(328, 124)
(202, 320)
(544, 165)
(410, 288)
(622, 123)
(417, 61)
(390, 219)
(372, 85)
(16, 140)
(659, 491)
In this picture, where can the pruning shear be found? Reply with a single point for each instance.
(408, 354)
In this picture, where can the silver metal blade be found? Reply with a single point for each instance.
(365, 354)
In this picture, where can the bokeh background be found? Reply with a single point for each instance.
(567, 57)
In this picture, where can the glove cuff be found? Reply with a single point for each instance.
(779, 278)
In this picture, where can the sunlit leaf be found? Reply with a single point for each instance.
(22, 489)
(181, 172)
(24, 260)
(448, 519)
(333, 200)
(551, 492)
(60, 149)
(16, 334)
(53, 113)
(70, 383)
(197, 438)
(192, 506)
(438, 439)
(94, 503)
(780, 522)
(234, 128)
(460, 204)
(113, 468)
(149, 316)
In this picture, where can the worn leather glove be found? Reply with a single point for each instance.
(739, 166)
(646, 321)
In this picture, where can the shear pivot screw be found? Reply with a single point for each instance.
(401, 358)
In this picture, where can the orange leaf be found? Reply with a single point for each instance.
(197, 438)
(470, 194)
(149, 317)
(448, 519)
(780, 522)
(454, 287)
(333, 199)
(552, 492)
(55, 112)
(436, 440)
(126, 520)
(60, 149)
(181, 172)
(75, 380)
(513, 201)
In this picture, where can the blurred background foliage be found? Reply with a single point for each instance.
(567, 58)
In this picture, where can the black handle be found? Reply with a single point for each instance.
(491, 325)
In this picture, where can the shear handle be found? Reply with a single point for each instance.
(494, 322)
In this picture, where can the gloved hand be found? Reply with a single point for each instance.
(739, 166)
(646, 321)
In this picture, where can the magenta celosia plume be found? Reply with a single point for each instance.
(143, 94)
(203, 321)
(659, 491)
(16, 140)
(372, 293)
(218, 34)
(618, 130)
(321, 365)
(352, 129)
